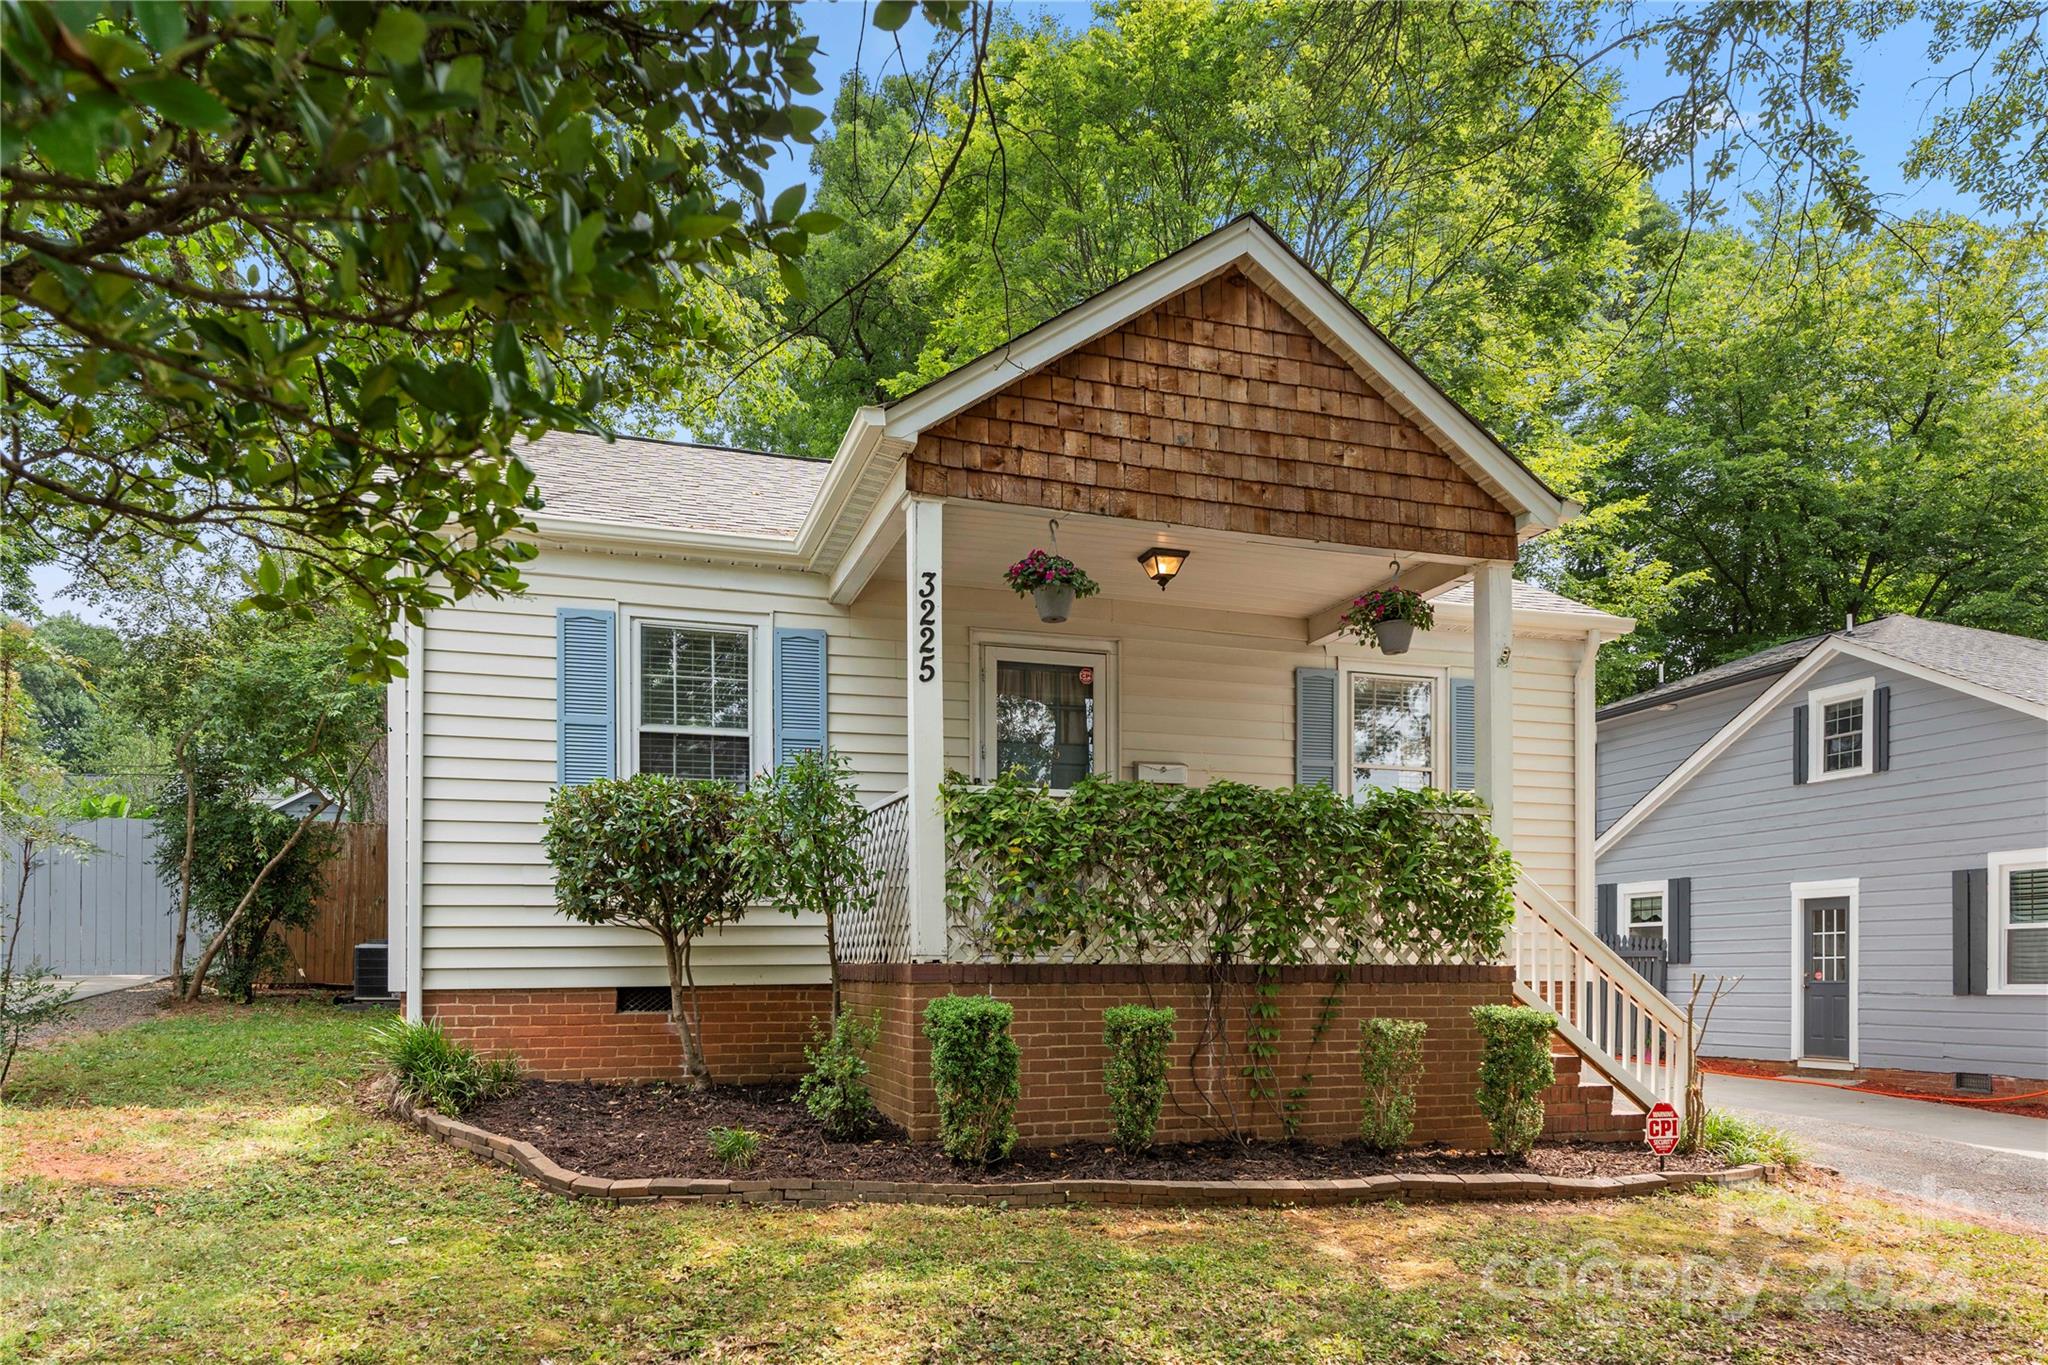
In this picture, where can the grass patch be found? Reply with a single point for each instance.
(265, 1217)
(1740, 1142)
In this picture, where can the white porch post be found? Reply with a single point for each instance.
(1493, 690)
(924, 667)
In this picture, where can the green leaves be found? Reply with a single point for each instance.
(360, 252)
(1236, 873)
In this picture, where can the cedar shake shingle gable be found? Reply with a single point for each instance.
(1217, 408)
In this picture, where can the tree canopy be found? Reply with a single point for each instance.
(302, 274)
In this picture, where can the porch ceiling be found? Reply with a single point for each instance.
(1224, 571)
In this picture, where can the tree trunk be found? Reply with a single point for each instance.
(683, 1012)
(200, 968)
(832, 955)
(191, 771)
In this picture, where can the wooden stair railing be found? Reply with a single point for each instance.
(1624, 1026)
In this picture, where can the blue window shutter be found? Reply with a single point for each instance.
(800, 698)
(586, 689)
(1464, 737)
(1315, 727)
(1607, 910)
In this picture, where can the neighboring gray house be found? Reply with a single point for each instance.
(1856, 825)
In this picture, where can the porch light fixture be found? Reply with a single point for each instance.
(1162, 564)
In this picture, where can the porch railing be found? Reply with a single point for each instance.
(1605, 1008)
(881, 933)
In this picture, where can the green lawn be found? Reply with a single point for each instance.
(205, 1187)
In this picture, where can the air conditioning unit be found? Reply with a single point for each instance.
(373, 970)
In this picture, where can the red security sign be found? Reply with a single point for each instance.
(1660, 1130)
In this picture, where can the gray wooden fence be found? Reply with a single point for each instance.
(106, 914)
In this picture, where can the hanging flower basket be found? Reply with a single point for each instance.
(1053, 582)
(1388, 618)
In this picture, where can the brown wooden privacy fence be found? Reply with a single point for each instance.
(351, 909)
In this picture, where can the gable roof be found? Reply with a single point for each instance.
(1248, 244)
(2007, 670)
(2011, 664)
(787, 509)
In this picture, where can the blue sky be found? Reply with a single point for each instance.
(1888, 117)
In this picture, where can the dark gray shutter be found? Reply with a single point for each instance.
(1607, 914)
(1970, 942)
(1678, 920)
(1315, 727)
(1881, 730)
(1798, 746)
(800, 699)
(1464, 737)
(586, 688)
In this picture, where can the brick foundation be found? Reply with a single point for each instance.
(751, 1033)
(1059, 1031)
(1940, 1083)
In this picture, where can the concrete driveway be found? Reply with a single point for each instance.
(86, 987)
(1988, 1166)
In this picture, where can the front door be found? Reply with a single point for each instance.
(1827, 976)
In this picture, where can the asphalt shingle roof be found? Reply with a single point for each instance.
(639, 482)
(1527, 597)
(2012, 664)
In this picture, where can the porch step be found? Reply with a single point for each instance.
(1581, 1107)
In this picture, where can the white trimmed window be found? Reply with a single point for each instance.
(1840, 737)
(1642, 909)
(694, 700)
(2018, 905)
(1393, 732)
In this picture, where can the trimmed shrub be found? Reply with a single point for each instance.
(974, 1071)
(1139, 1038)
(440, 1073)
(736, 1149)
(1390, 1064)
(835, 1089)
(1514, 1071)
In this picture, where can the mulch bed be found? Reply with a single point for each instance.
(622, 1132)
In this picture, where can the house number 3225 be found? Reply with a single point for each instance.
(928, 627)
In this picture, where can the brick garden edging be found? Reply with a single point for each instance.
(1432, 1187)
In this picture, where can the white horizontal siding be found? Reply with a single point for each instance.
(1214, 690)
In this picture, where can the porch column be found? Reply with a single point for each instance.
(1493, 690)
(924, 672)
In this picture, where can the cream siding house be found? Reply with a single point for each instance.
(699, 610)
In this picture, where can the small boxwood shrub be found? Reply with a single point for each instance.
(1139, 1038)
(835, 1089)
(974, 1071)
(1514, 1071)
(440, 1073)
(1390, 1064)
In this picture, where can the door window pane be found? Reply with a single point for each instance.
(1828, 928)
(1393, 733)
(1045, 721)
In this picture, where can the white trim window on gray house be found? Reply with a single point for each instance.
(1856, 826)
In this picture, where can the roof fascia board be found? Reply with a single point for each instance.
(863, 440)
(711, 544)
(1768, 700)
(1629, 706)
(871, 544)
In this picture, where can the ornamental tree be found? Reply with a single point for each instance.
(802, 840)
(299, 274)
(659, 854)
